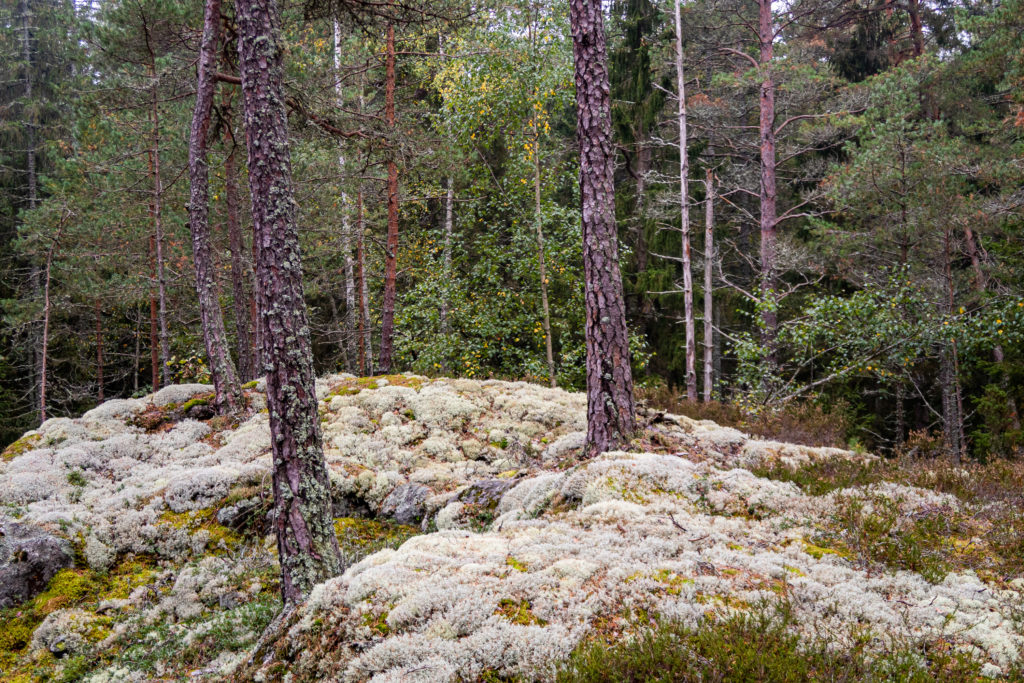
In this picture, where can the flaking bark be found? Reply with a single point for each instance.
(610, 406)
(307, 546)
(226, 387)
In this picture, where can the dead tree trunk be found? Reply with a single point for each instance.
(709, 263)
(387, 327)
(46, 322)
(611, 418)
(539, 218)
(306, 543)
(365, 336)
(766, 38)
(227, 390)
(350, 340)
(156, 208)
(684, 206)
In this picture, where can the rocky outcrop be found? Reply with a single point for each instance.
(29, 558)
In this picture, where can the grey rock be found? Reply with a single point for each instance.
(29, 558)
(406, 504)
(486, 493)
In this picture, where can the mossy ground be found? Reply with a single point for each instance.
(349, 387)
(20, 447)
(359, 537)
(985, 535)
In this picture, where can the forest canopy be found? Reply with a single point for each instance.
(828, 221)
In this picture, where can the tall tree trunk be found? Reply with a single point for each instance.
(952, 398)
(154, 316)
(155, 209)
(306, 543)
(769, 317)
(611, 419)
(641, 255)
(387, 326)
(446, 254)
(46, 322)
(351, 342)
(709, 264)
(539, 218)
(227, 390)
(365, 336)
(916, 29)
(240, 269)
(99, 351)
(684, 205)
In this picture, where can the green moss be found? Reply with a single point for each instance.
(197, 401)
(358, 537)
(76, 478)
(518, 612)
(516, 564)
(221, 538)
(250, 385)
(350, 387)
(20, 447)
(378, 623)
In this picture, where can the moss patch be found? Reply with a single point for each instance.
(519, 612)
(20, 447)
(358, 537)
(349, 387)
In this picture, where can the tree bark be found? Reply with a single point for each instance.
(99, 351)
(350, 339)
(155, 208)
(684, 206)
(365, 336)
(306, 543)
(240, 269)
(709, 263)
(916, 29)
(643, 166)
(952, 398)
(769, 316)
(46, 322)
(611, 418)
(446, 254)
(387, 327)
(227, 389)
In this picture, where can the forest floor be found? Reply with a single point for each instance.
(480, 547)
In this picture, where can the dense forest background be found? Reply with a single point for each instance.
(864, 163)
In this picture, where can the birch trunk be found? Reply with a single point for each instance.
(346, 225)
(539, 218)
(684, 205)
(709, 264)
(766, 37)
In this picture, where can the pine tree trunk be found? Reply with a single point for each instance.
(952, 400)
(684, 205)
(916, 30)
(766, 37)
(387, 327)
(240, 270)
(306, 543)
(365, 336)
(32, 182)
(611, 418)
(227, 390)
(709, 265)
(46, 323)
(156, 208)
(643, 166)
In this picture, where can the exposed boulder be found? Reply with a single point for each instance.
(407, 504)
(29, 558)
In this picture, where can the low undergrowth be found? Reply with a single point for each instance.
(359, 537)
(984, 534)
(760, 645)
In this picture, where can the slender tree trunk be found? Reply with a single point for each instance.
(709, 264)
(138, 358)
(346, 227)
(387, 328)
(156, 207)
(952, 402)
(32, 181)
(365, 340)
(684, 205)
(641, 256)
(611, 419)
(240, 270)
(306, 543)
(901, 416)
(99, 351)
(227, 390)
(154, 316)
(46, 323)
(769, 318)
(446, 254)
(539, 218)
